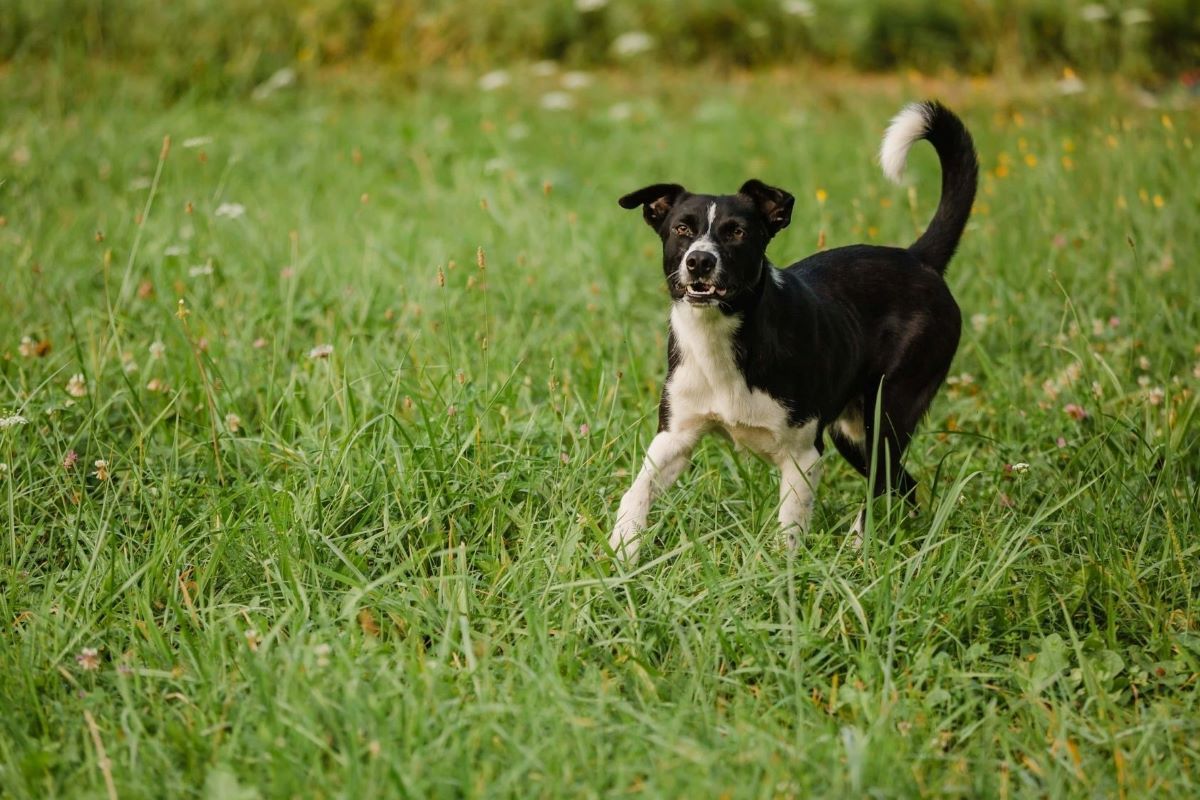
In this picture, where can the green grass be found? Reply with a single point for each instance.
(392, 579)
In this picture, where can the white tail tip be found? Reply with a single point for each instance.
(910, 125)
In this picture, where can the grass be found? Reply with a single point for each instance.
(386, 575)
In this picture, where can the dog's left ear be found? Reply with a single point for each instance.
(656, 201)
(775, 204)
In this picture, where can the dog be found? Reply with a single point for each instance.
(775, 358)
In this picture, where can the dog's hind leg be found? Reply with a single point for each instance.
(666, 459)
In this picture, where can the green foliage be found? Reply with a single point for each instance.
(381, 570)
(228, 47)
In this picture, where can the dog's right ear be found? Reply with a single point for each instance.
(656, 201)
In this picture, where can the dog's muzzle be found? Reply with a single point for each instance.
(698, 274)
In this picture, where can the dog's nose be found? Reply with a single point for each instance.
(700, 263)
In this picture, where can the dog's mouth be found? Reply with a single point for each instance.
(703, 292)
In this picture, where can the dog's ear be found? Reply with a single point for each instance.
(775, 204)
(656, 201)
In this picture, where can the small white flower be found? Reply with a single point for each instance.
(157, 349)
(27, 348)
(585, 6)
(233, 422)
(88, 659)
(632, 43)
(13, 421)
(196, 141)
(576, 80)
(799, 8)
(101, 472)
(1156, 396)
(1135, 16)
(282, 79)
(138, 184)
(77, 385)
(321, 351)
(175, 250)
(1071, 84)
(494, 165)
(3, 469)
(979, 322)
(1020, 466)
(1094, 12)
(557, 101)
(544, 69)
(230, 210)
(619, 112)
(200, 270)
(496, 79)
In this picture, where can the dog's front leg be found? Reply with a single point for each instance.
(799, 474)
(665, 460)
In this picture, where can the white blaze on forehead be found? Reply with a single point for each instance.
(705, 244)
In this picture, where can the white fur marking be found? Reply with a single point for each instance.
(799, 474)
(705, 244)
(706, 390)
(907, 127)
(850, 424)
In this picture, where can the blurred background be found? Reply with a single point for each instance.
(232, 47)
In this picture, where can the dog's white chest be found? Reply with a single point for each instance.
(707, 389)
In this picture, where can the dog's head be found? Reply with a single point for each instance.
(714, 246)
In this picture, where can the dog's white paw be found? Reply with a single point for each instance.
(625, 539)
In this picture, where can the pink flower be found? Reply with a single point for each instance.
(584, 429)
(1075, 412)
(69, 459)
(88, 659)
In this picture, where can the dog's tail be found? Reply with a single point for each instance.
(960, 169)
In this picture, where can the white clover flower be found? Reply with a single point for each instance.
(496, 79)
(799, 8)
(230, 210)
(557, 101)
(200, 270)
(619, 112)
(77, 385)
(157, 349)
(632, 43)
(576, 80)
(13, 421)
(321, 351)
(1136, 16)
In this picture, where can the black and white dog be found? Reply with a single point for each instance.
(775, 357)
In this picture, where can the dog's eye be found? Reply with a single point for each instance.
(682, 230)
(737, 233)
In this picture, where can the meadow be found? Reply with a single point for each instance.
(315, 410)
